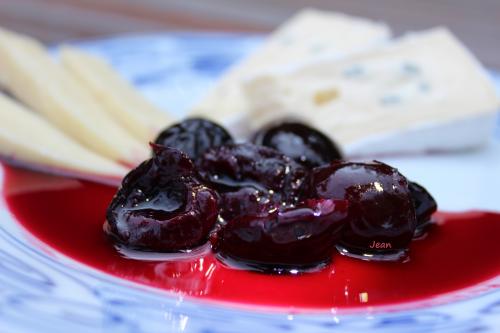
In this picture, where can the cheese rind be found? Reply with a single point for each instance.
(307, 35)
(116, 96)
(29, 140)
(29, 73)
(455, 135)
(426, 80)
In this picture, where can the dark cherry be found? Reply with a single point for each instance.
(283, 239)
(425, 206)
(194, 136)
(248, 176)
(161, 205)
(302, 143)
(382, 217)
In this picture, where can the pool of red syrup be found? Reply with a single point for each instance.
(68, 215)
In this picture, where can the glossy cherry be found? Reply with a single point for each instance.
(425, 206)
(302, 143)
(283, 239)
(382, 217)
(194, 136)
(161, 205)
(248, 176)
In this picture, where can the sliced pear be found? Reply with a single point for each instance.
(28, 140)
(118, 97)
(29, 73)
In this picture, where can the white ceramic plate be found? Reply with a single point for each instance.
(44, 291)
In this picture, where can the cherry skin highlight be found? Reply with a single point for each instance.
(300, 142)
(194, 136)
(162, 206)
(382, 217)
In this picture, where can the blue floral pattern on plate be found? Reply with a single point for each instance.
(44, 291)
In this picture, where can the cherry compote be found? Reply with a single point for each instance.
(458, 258)
(281, 204)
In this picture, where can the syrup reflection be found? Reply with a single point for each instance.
(26, 182)
(189, 273)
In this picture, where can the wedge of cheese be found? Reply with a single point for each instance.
(29, 73)
(116, 96)
(423, 92)
(307, 35)
(28, 140)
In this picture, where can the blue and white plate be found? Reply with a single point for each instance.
(44, 291)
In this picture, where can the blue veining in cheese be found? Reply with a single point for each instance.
(354, 71)
(308, 34)
(388, 100)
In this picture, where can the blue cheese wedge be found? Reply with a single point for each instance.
(307, 35)
(423, 92)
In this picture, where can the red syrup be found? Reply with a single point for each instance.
(461, 251)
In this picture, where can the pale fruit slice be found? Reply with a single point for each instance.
(423, 92)
(28, 140)
(118, 97)
(309, 34)
(29, 73)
